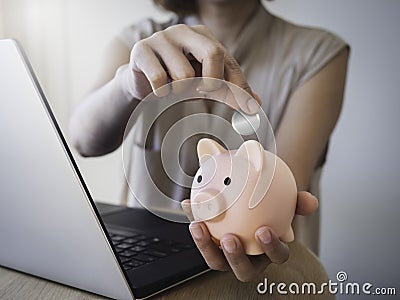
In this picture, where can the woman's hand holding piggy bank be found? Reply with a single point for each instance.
(243, 203)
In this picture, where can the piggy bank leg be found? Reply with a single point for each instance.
(288, 236)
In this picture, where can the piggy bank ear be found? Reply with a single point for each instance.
(252, 151)
(207, 148)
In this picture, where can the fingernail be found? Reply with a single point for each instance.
(196, 230)
(229, 245)
(253, 106)
(264, 235)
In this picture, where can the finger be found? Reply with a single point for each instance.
(234, 74)
(226, 93)
(273, 247)
(307, 203)
(208, 249)
(205, 31)
(218, 91)
(144, 60)
(136, 84)
(213, 62)
(245, 101)
(172, 57)
(238, 260)
(187, 209)
(204, 49)
(178, 67)
(211, 53)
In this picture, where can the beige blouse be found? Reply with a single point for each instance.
(276, 56)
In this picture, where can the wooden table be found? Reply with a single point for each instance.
(302, 267)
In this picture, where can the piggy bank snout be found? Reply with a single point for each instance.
(207, 205)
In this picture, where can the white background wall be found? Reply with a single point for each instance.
(65, 41)
(360, 186)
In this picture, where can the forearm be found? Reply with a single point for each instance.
(98, 123)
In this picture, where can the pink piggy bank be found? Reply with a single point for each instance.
(239, 191)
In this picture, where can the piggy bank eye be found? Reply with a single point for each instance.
(227, 181)
(199, 179)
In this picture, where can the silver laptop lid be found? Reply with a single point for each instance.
(47, 223)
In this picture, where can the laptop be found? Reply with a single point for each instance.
(50, 226)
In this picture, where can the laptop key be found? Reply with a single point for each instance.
(127, 253)
(140, 237)
(135, 263)
(117, 238)
(138, 248)
(145, 258)
(123, 246)
(124, 259)
(155, 253)
(143, 243)
(131, 240)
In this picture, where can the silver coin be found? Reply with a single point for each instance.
(245, 124)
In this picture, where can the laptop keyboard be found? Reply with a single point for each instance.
(136, 249)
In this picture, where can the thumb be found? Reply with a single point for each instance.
(307, 203)
(187, 209)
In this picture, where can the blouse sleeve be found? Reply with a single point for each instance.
(322, 46)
